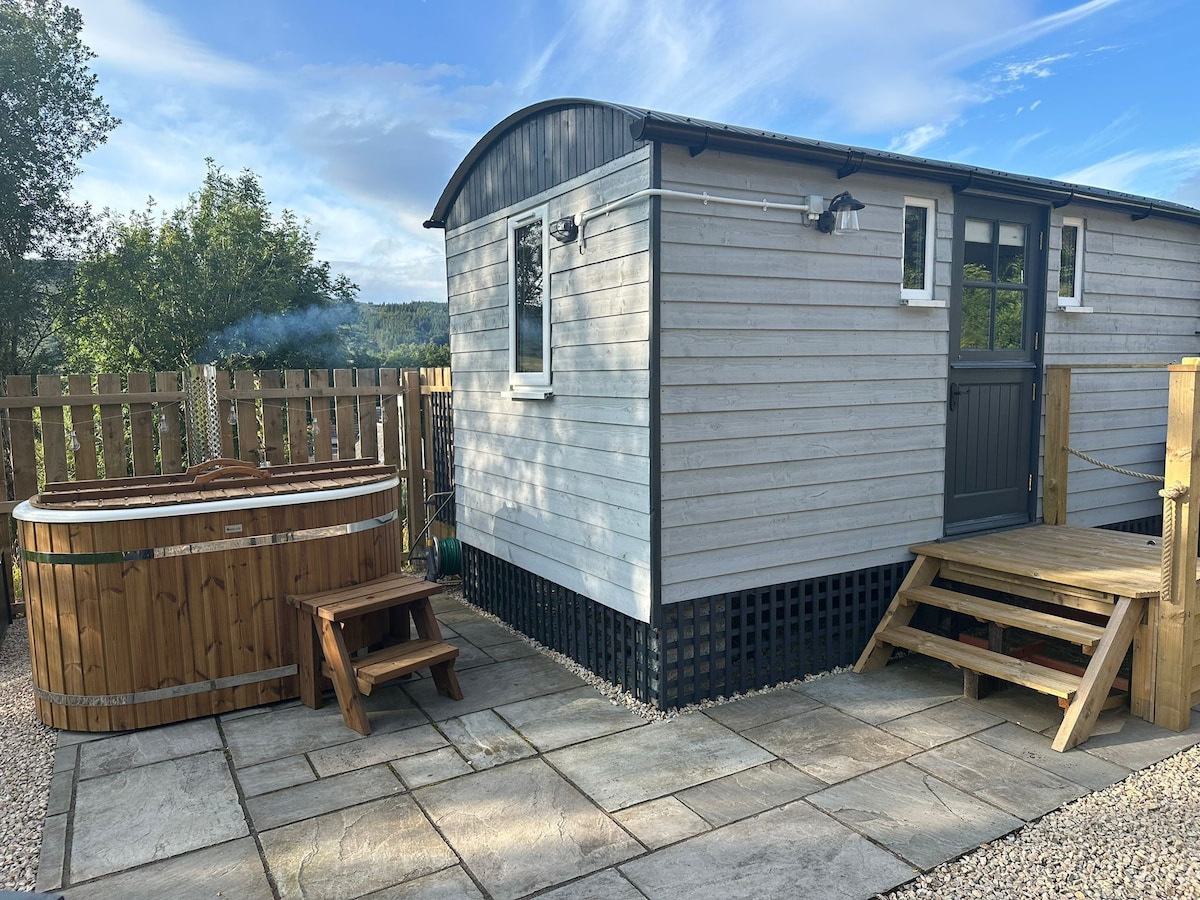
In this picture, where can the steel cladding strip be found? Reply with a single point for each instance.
(180, 690)
(256, 540)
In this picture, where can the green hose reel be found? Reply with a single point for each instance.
(444, 557)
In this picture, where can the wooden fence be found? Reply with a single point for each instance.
(65, 428)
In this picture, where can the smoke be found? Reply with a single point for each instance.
(315, 337)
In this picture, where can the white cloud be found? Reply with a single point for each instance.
(912, 142)
(127, 35)
(1152, 173)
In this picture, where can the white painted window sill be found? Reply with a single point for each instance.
(528, 393)
(928, 304)
(1075, 309)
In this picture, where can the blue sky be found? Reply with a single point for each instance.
(355, 113)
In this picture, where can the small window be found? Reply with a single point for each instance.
(529, 299)
(1070, 264)
(919, 232)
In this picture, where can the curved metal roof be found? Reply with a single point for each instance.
(700, 135)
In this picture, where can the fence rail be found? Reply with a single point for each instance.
(58, 428)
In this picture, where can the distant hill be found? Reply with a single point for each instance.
(401, 335)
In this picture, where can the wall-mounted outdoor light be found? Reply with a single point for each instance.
(842, 215)
(564, 230)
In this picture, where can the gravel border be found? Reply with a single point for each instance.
(26, 763)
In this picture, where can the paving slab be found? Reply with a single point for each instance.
(59, 798)
(65, 757)
(1016, 786)
(152, 812)
(499, 684)
(469, 656)
(233, 869)
(830, 745)
(661, 822)
(1077, 765)
(350, 852)
(568, 717)
(793, 851)
(913, 814)
(1135, 743)
(448, 884)
(53, 854)
(748, 712)
(521, 827)
(906, 686)
(430, 768)
(941, 724)
(138, 748)
(1018, 704)
(276, 774)
(514, 650)
(297, 729)
(661, 758)
(486, 740)
(606, 885)
(375, 748)
(307, 800)
(485, 633)
(70, 738)
(749, 792)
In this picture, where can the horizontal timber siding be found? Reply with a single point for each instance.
(560, 488)
(1142, 281)
(803, 408)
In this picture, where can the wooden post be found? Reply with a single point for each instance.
(414, 464)
(1177, 612)
(1058, 437)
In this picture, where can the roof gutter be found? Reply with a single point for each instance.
(849, 160)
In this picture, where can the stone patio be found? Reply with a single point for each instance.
(537, 785)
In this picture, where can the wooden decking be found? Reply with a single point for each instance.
(1105, 573)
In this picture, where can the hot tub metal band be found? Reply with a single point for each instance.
(257, 540)
(169, 693)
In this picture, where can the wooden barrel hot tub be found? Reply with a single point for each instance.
(153, 600)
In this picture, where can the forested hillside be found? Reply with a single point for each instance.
(402, 335)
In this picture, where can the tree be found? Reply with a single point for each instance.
(50, 116)
(217, 281)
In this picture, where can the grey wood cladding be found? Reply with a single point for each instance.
(560, 487)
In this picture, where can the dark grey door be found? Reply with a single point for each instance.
(996, 310)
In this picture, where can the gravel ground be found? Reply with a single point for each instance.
(1137, 839)
(26, 761)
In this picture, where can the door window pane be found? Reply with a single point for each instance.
(1012, 253)
(977, 251)
(1010, 319)
(976, 319)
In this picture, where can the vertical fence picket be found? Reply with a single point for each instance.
(344, 409)
(389, 381)
(369, 412)
(112, 426)
(141, 426)
(297, 416)
(170, 444)
(322, 427)
(22, 441)
(249, 447)
(54, 435)
(83, 427)
(272, 418)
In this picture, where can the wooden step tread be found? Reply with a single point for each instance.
(1017, 671)
(367, 597)
(1085, 635)
(397, 660)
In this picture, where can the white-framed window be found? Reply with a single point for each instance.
(529, 301)
(1070, 264)
(920, 229)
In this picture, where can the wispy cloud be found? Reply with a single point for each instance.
(1165, 170)
(912, 142)
(1024, 32)
(1032, 68)
(128, 35)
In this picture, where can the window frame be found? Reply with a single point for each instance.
(542, 379)
(925, 292)
(1075, 301)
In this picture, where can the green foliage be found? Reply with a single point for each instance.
(402, 335)
(50, 116)
(217, 281)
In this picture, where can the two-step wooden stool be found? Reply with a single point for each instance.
(355, 677)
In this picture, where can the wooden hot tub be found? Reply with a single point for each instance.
(152, 600)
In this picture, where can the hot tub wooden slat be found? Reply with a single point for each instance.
(68, 628)
(91, 645)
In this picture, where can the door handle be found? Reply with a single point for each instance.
(955, 391)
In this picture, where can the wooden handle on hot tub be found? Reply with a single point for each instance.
(215, 469)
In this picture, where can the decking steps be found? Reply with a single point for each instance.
(1082, 634)
(985, 662)
(1022, 566)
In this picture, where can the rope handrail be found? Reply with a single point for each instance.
(1103, 465)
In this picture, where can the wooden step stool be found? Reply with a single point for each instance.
(402, 596)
